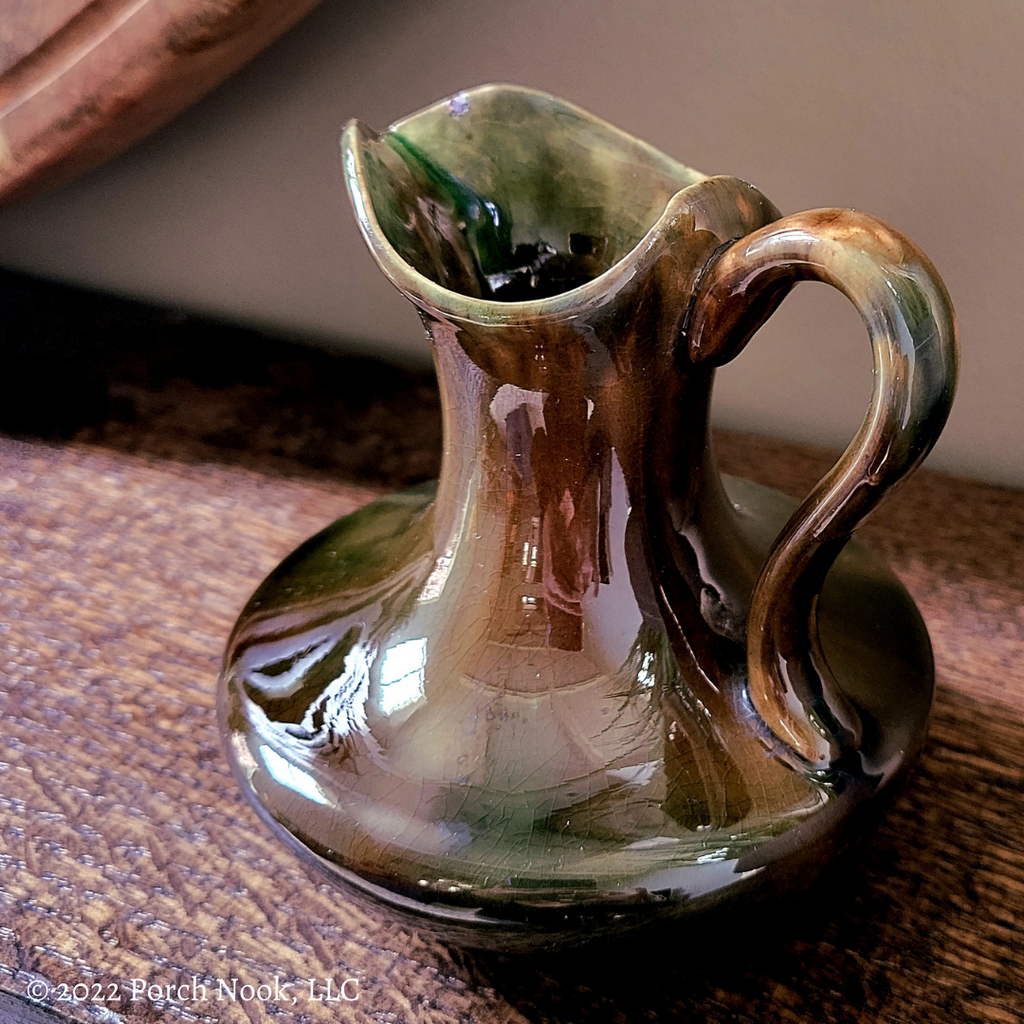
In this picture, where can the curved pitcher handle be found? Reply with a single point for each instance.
(912, 328)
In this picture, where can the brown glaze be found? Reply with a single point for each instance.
(912, 330)
(536, 708)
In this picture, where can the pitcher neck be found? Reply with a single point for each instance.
(597, 484)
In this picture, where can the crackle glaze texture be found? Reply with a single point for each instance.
(583, 687)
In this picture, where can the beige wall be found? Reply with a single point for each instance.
(913, 111)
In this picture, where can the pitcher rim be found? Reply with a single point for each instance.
(456, 306)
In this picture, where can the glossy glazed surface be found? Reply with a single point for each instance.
(513, 817)
(524, 710)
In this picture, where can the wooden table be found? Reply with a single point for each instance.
(127, 853)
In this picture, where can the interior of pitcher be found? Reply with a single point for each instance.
(508, 194)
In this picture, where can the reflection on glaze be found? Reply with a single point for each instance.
(525, 702)
(292, 776)
(401, 675)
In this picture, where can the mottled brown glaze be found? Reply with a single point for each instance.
(912, 329)
(81, 81)
(524, 710)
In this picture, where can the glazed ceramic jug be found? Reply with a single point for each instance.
(589, 684)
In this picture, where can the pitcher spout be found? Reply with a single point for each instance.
(505, 194)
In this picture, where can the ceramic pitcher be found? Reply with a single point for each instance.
(589, 684)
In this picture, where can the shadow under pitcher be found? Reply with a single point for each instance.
(584, 683)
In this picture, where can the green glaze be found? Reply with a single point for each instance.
(486, 227)
(550, 170)
(515, 873)
(586, 685)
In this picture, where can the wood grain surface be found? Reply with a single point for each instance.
(127, 853)
(81, 80)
